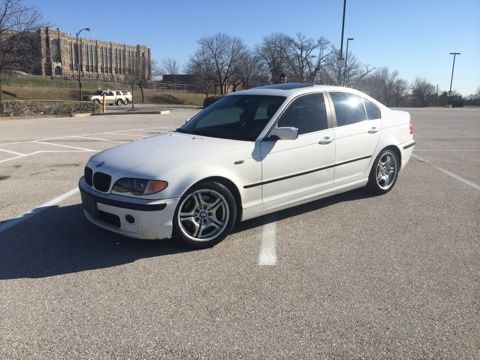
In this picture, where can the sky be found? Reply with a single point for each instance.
(413, 37)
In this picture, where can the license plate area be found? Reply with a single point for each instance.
(89, 203)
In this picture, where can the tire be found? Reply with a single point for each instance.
(205, 215)
(120, 102)
(96, 101)
(384, 173)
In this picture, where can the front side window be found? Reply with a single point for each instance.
(307, 114)
(349, 108)
(236, 117)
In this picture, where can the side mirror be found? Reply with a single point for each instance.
(284, 133)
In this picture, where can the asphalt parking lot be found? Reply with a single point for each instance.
(354, 276)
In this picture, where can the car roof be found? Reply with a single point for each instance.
(291, 90)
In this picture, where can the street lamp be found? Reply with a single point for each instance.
(79, 61)
(346, 58)
(451, 78)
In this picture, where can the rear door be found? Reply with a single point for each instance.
(298, 168)
(356, 135)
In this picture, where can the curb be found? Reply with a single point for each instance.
(81, 114)
(132, 113)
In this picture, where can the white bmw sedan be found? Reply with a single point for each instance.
(249, 154)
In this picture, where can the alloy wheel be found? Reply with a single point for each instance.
(386, 173)
(203, 215)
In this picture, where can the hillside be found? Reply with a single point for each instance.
(37, 88)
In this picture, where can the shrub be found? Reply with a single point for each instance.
(210, 100)
(43, 107)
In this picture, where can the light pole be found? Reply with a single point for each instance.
(451, 78)
(79, 61)
(346, 58)
(340, 58)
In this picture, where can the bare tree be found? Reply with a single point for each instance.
(217, 57)
(385, 86)
(249, 72)
(170, 66)
(354, 71)
(157, 70)
(273, 51)
(306, 57)
(17, 22)
(422, 91)
(136, 75)
(201, 66)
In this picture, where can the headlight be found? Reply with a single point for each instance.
(139, 186)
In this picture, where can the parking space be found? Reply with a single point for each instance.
(351, 276)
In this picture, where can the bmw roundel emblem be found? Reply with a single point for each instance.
(101, 163)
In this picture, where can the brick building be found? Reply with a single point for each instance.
(56, 54)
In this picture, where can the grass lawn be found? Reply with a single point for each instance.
(36, 88)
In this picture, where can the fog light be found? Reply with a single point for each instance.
(130, 219)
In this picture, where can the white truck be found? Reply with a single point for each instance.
(111, 97)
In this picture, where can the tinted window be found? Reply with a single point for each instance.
(238, 117)
(373, 111)
(306, 113)
(349, 108)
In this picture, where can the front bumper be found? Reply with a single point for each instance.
(151, 220)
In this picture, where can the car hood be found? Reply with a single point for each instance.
(153, 156)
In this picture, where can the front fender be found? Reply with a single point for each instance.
(232, 167)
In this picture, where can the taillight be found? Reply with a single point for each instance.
(411, 127)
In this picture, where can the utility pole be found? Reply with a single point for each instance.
(340, 61)
(451, 78)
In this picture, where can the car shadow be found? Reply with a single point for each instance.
(59, 240)
(353, 195)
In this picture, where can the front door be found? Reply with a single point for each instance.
(293, 169)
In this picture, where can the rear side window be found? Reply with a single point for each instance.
(307, 114)
(349, 108)
(373, 111)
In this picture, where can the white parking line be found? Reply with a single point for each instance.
(268, 251)
(449, 173)
(19, 219)
(14, 143)
(13, 158)
(456, 131)
(12, 152)
(124, 134)
(46, 141)
(99, 139)
(39, 152)
(65, 146)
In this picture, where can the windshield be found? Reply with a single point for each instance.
(236, 117)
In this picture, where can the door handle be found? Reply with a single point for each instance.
(326, 140)
(373, 130)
